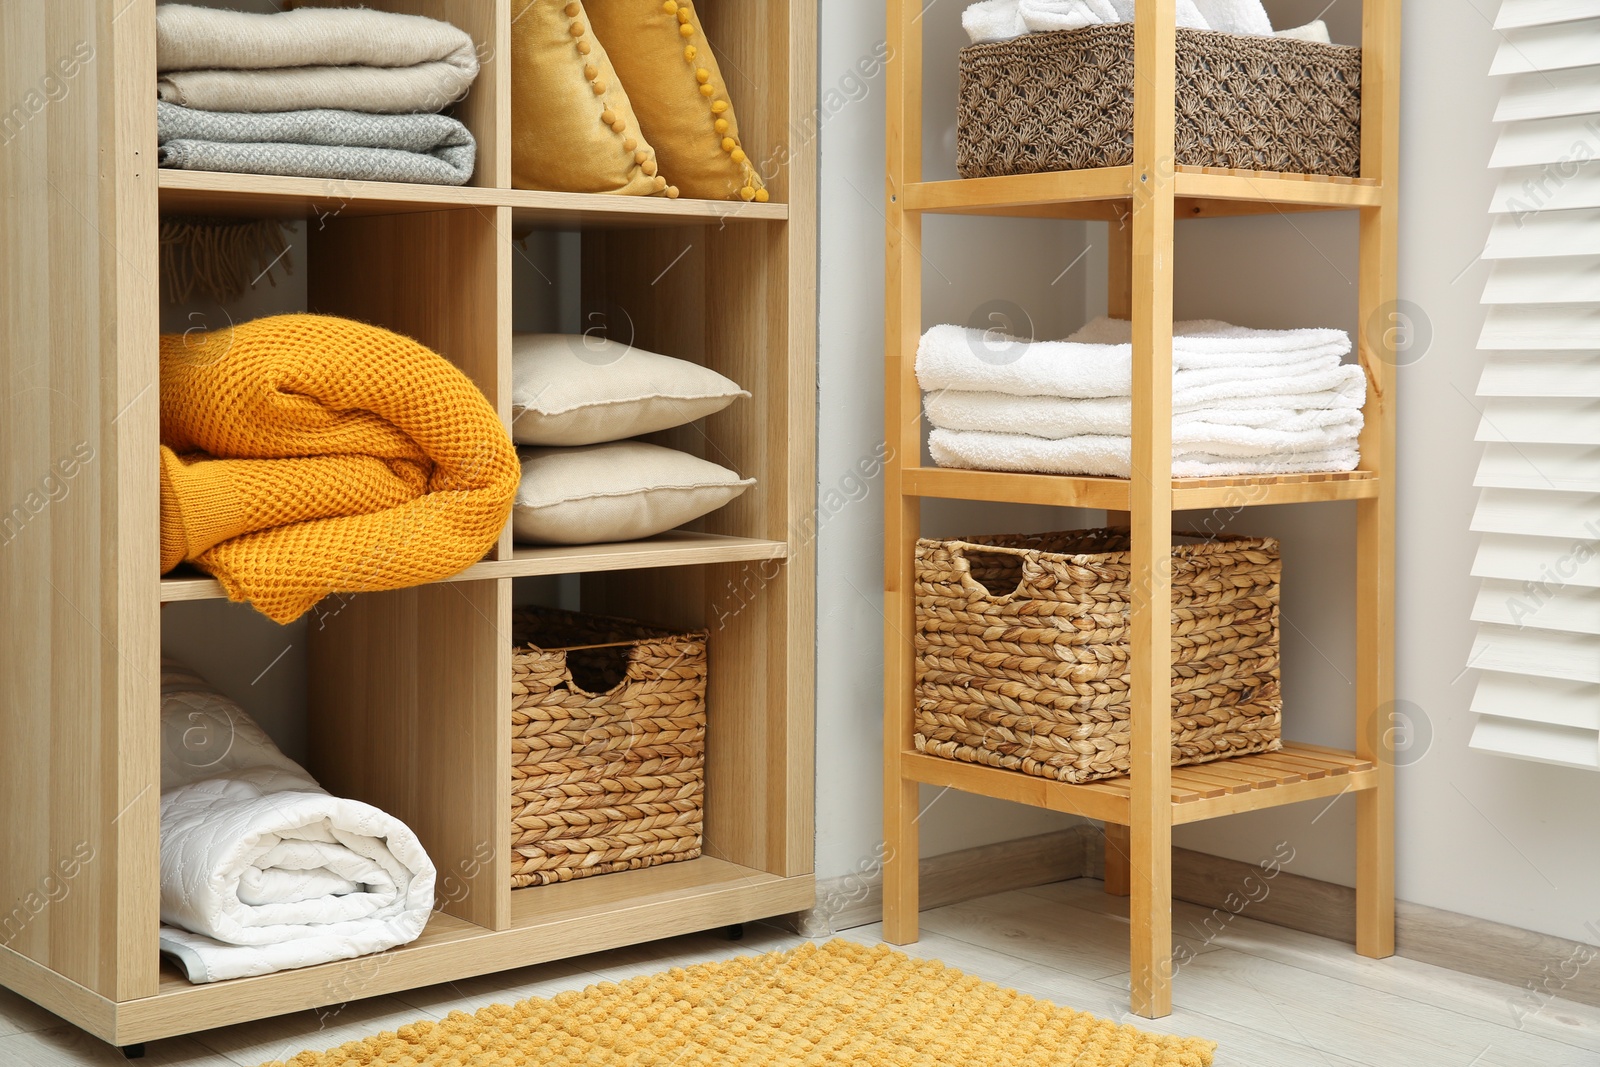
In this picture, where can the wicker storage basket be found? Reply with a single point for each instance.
(1022, 651)
(608, 726)
(1064, 101)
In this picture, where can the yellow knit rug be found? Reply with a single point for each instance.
(831, 1005)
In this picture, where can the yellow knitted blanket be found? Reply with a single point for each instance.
(303, 455)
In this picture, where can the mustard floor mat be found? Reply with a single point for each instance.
(826, 1005)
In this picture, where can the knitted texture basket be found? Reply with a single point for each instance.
(1064, 101)
(1022, 651)
(608, 727)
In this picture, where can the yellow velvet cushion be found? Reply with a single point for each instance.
(572, 127)
(660, 49)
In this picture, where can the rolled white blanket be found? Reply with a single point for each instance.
(262, 870)
(351, 59)
(1111, 457)
(1211, 361)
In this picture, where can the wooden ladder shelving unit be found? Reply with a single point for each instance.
(409, 691)
(1143, 202)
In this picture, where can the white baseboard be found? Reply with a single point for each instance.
(857, 899)
(1541, 965)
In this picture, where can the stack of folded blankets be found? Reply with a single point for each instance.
(1001, 20)
(339, 93)
(1244, 401)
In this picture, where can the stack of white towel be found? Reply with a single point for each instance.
(1001, 20)
(1244, 401)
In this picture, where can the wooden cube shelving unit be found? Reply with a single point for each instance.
(409, 693)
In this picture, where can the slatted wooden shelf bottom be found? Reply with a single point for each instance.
(1295, 773)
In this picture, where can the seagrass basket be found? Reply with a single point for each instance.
(1022, 651)
(1063, 100)
(608, 728)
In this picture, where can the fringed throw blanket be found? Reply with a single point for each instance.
(303, 455)
(353, 59)
(427, 149)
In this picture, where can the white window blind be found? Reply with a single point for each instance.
(1538, 513)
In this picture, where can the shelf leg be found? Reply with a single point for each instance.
(903, 447)
(1150, 576)
(1118, 870)
(900, 862)
(1378, 315)
(133, 1052)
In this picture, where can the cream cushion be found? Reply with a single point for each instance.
(615, 492)
(574, 389)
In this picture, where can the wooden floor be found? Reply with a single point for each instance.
(1271, 997)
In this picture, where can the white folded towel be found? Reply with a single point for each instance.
(261, 870)
(1002, 20)
(1236, 16)
(1274, 423)
(993, 20)
(1111, 457)
(1312, 31)
(1211, 361)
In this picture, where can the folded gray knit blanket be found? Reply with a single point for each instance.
(350, 58)
(427, 149)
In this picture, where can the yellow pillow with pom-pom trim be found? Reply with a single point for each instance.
(660, 49)
(572, 127)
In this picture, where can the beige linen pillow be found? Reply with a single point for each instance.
(574, 389)
(621, 491)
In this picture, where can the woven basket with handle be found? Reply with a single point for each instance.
(1022, 651)
(608, 728)
(1064, 101)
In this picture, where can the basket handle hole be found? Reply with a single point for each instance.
(1000, 573)
(599, 670)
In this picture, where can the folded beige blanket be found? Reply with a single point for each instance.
(351, 59)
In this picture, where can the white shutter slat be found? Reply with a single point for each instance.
(1541, 420)
(1554, 700)
(1563, 141)
(1563, 468)
(1515, 14)
(1539, 653)
(1550, 95)
(1570, 609)
(1549, 47)
(1544, 560)
(1544, 233)
(1541, 374)
(1552, 326)
(1538, 513)
(1536, 741)
(1557, 186)
(1569, 280)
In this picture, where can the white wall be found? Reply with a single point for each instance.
(1513, 842)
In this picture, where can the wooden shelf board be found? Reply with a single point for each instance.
(1013, 194)
(275, 196)
(1107, 193)
(679, 548)
(541, 210)
(1113, 494)
(548, 923)
(1203, 791)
